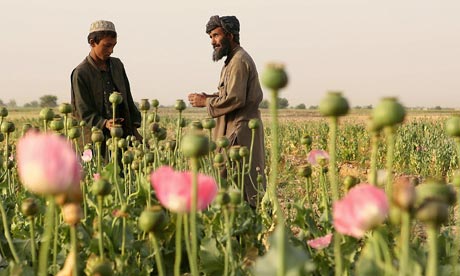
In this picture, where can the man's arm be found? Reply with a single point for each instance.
(84, 103)
(234, 91)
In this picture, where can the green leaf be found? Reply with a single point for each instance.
(211, 258)
(297, 260)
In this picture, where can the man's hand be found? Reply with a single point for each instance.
(110, 122)
(197, 100)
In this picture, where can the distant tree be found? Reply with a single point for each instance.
(2, 103)
(300, 106)
(437, 107)
(283, 103)
(264, 104)
(32, 104)
(12, 103)
(313, 107)
(48, 101)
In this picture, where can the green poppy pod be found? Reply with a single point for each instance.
(274, 76)
(149, 157)
(116, 131)
(71, 122)
(101, 187)
(122, 143)
(161, 134)
(212, 146)
(151, 118)
(260, 178)
(26, 127)
(154, 127)
(108, 143)
(244, 151)
(453, 126)
(219, 158)
(82, 123)
(128, 157)
(433, 212)
(7, 127)
(223, 142)
(195, 145)
(97, 136)
(388, 112)
(57, 124)
(151, 219)
(74, 133)
(306, 140)
(3, 112)
(208, 123)
(46, 114)
(435, 190)
(373, 127)
(182, 122)
(65, 108)
(350, 181)
(234, 153)
(116, 98)
(144, 105)
(196, 125)
(29, 207)
(180, 105)
(155, 103)
(88, 147)
(235, 197)
(222, 198)
(254, 123)
(333, 105)
(304, 171)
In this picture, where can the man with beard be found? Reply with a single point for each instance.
(238, 97)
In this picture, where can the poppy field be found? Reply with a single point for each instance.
(348, 192)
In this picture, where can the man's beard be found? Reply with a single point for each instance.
(223, 51)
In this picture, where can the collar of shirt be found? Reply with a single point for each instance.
(231, 54)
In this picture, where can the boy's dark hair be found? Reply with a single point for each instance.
(99, 35)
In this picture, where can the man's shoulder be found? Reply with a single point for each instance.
(242, 56)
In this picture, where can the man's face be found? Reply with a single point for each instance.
(220, 42)
(104, 48)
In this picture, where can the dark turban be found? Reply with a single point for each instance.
(229, 23)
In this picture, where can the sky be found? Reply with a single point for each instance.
(368, 49)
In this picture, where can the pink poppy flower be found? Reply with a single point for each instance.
(317, 157)
(174, 189)
(321, 242)
(364, 207)
(47, 164)
(87, 155)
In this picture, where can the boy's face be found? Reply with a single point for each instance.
(104, 48)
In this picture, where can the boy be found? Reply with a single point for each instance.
(94, 80)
